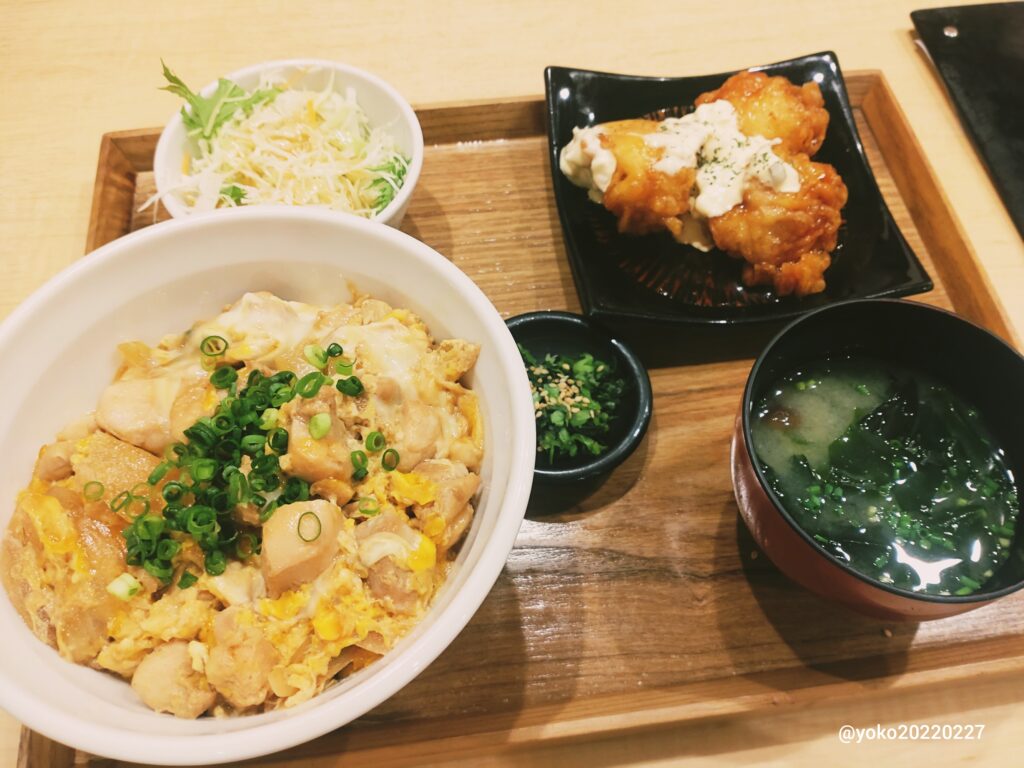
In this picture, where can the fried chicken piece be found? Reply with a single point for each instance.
(641, 197)
(775, 108)
(786, 237)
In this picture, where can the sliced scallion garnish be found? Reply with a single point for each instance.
(310, 384)
(319, 425)
(224, 377)
(375, 442)
(309, 526)
(315, 355)
(213, 346)
(124, 587)
(351, 386)
(93, 490)
(389, 461)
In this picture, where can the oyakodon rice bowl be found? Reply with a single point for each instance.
(171, 276)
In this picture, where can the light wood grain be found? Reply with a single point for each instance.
(73, 71)
(717, 632)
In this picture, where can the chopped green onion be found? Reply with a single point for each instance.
(351, 386)
(202, 520)
(160, 570)
(93, 490)
(288, 378)
(278, 440)
(281, 395)
(334, 349)
(120, 501)
(309, 526)
(315, 355)
(124, 587)
(137, 506)
(141, 490)
(158, 472)
(215, 561)
(223, 423)
(295, 489)
(319, 425)
(268, 420)
(389, 461)
(167, 549)
(360, 473)
(344, 366)
(268, 511)
(253, 443)
(375, 442)
(238, 489)
(187, 580)
(212, 346)
(174, 491)
(368, 506)
(265, 464)
(246, 546)
(359, 460)
(310, 384)
(203, 470)
(224, 377)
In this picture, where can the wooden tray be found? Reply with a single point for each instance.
(644, 603)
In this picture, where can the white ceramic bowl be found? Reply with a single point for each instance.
(383, 105)
(58, 349)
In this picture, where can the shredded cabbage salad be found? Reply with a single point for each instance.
(285, 146)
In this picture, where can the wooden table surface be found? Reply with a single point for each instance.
(72, 71)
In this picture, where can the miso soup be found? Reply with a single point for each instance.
(890, 471)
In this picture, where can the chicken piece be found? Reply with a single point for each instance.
(786, 236)
(138, 411)
(389, 548)
(287, 558)
(417, 431)
(640, 197)
(196, 398)
(334, 490)
(775, 108)
(116, 464)
(57, 562)
(238, 585)
(54, 461)
(85, 606)
(457, 357)
(240, 661)
(22, 569)
(328, 456)
(455, 487)
(166, 682)
(260, 327)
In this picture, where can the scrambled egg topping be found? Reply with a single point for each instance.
(315, 602)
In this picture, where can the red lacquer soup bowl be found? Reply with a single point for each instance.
(978, 366)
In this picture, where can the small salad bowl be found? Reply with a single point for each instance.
(572, 336)
(384, 107)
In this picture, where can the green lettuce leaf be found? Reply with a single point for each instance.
(208, 114)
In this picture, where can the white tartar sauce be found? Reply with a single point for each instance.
(708, 139)
(586, 163)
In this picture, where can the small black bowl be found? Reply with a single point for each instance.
(563, 333)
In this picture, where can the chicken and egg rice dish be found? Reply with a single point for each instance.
(256, 507)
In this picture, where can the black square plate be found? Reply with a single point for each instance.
(654, 278)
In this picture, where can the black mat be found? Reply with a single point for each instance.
(979, 52)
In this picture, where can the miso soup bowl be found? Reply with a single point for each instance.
(977, 365)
